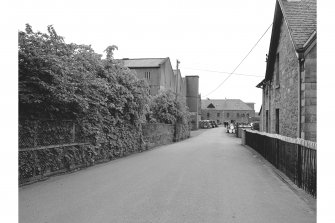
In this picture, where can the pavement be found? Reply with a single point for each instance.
(210, 177)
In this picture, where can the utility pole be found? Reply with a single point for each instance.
(177, 78)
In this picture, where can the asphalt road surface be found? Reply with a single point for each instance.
(210, 177)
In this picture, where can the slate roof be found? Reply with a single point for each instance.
(226, 104)
(300, 16)
(144, 62)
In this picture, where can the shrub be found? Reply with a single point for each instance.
(70, 81)
(166, 108)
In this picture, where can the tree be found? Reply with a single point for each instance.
(165, 108)
(69, 81)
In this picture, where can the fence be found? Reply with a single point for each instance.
(296, 158)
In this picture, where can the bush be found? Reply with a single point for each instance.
(69, 81)
(166, 108)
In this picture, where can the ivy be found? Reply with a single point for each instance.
(108, 103)
(60, 81)
(169, 109)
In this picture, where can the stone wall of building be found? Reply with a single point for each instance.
(153, 81)
(221, 116)
(240, 116)
(213, 114)
(308, 96)
(285, 95)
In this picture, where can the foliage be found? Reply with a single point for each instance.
(166, 108)
(103, 98)
(69, 81)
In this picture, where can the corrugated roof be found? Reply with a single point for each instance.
(144, 62)
(301, 19)
(225, 104)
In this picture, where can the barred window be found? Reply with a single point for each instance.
(147, 75)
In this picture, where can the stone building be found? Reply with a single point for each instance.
(227, 110)
(289, 86)
(158, 73)
(160, 76)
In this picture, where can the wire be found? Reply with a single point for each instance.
(223, 72)
(240, 62)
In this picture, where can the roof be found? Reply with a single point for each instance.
(226, 104)
(300, 16)
(144, 62)
(261, 84)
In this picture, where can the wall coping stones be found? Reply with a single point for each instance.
(299, 141)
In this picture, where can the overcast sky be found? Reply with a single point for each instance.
(207, 35)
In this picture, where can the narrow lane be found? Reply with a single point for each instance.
(207, 178)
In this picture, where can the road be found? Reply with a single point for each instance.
(210, 177)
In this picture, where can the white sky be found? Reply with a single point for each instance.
(210, 35)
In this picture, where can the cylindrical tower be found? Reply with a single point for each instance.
(192, 101)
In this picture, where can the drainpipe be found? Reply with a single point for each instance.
(301, 60)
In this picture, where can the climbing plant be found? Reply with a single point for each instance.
(59, 80)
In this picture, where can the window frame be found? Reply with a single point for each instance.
(277, 78)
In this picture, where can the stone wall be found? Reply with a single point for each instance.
(283, 96)
(44, 161)
(220, 116)
(240, 116)
(156, 134)
(308, 96)
(214, 114)
(181, 132)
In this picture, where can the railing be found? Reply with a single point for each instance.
(294, 157)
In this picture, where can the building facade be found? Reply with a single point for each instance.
(289, 86)
(158, 73)
(227, 110)
(160, 76)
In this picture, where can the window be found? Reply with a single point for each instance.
(207, 115)
(228, 115)
(277, 120)
(242, 115)
(277, 70)
(210, 106)
(147, 75)
(218, 114)
(267, 120)
(238, 115)
(248, 115)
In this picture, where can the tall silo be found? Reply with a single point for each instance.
(192, 94)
